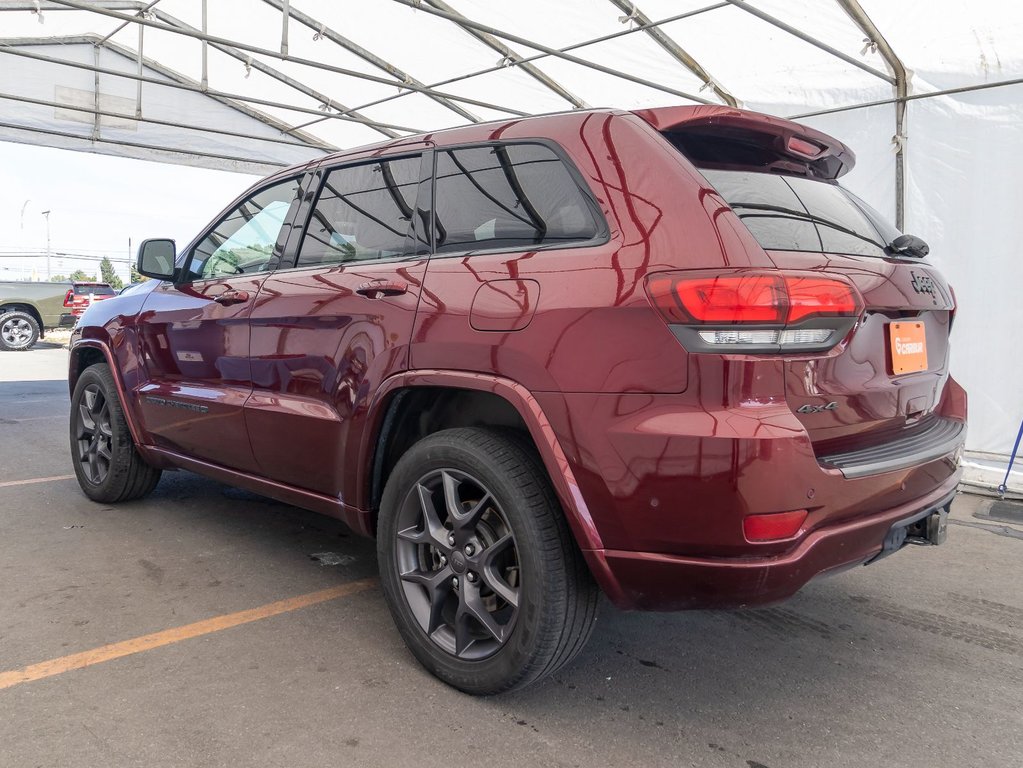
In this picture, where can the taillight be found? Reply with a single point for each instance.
(69, 297)
(756, 311)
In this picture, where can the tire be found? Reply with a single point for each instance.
(524, 603)
(107, 464)
(18, 331)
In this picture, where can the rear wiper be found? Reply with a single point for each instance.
(908, 245)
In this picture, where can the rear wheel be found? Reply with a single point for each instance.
(18, 331)
(107, 464)
(481, 573)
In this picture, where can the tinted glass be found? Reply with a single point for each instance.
(96, 290)
(790, 213)
(364, 212)
(243, 241)
(842, 225)
(769, 209)
(512, 196)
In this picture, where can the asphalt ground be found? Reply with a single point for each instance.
(206, 626)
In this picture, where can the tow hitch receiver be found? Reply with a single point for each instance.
(929, 527)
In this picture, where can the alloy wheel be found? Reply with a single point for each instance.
(16, 332)
(458, 563)
(95, 436)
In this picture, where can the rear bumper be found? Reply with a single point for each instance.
(656, 581)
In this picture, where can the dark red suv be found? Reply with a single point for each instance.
(660, 352)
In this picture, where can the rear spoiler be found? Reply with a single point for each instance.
(735, 139)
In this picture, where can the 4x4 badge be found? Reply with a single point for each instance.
(817, 408)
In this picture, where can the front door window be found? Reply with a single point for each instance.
(244, 241)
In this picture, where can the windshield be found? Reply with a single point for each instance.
(791, 213)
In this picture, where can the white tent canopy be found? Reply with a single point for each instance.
(929, 93)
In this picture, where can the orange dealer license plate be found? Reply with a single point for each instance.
(908, 345)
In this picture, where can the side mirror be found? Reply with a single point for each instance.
(156, 259)
(909, 245)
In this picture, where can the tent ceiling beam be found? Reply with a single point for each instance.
(338, 39)
(510, 56)
(676, 51)
(182, 83)
(196, 34)
(862, 20)
(742, 5)
(97, 112)
(574, 46)
(468, 24)
(126, 23)
(911, 97)
(136, 145)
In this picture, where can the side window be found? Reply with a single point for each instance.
(363, 212)
(510, 196)
(243, 241)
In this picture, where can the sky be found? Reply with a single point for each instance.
(98, 202)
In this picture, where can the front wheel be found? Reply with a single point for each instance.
(18, 331)
(107, 464)
(480, 571)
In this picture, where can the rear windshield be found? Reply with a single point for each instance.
(96, 290)
(789, 213)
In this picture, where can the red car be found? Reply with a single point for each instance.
(662, 353)
(80, 296)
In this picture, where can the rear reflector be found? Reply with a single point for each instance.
(774, 526)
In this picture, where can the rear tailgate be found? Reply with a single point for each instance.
(857, 398)
(875, 395)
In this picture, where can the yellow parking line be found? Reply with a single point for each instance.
(12, 483)
(176, 634)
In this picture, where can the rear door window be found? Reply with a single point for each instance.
(506, 197)
(791, 213)
(364, 212)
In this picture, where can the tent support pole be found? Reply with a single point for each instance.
(285, 15)
(204, 83)
(138, 95)
(862, 20)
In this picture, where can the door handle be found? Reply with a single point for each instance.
(379, 289)
(231, 297)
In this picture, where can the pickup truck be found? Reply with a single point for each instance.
(28, 310)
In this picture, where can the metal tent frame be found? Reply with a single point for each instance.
(324, 107)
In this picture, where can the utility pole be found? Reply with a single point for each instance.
(48, 273)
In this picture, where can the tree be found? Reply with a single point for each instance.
(106, 269)
(78, 276)
(136, 276)
(58, 279)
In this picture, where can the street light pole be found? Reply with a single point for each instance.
(48, 273)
